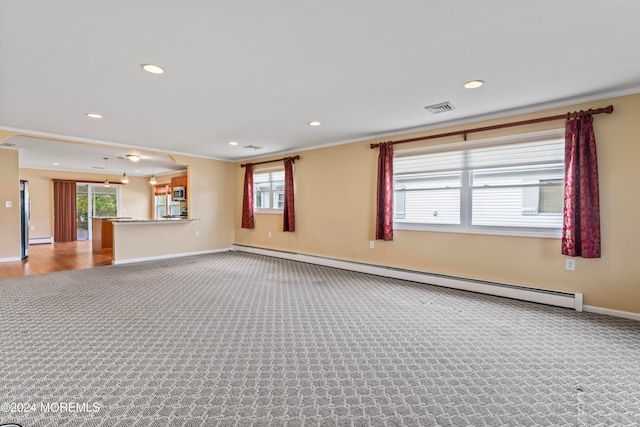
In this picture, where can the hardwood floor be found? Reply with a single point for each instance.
(47, 258)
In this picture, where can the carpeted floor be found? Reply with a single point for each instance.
(236, 339)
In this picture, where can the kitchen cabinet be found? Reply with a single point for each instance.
(102, 234)
(180, 181)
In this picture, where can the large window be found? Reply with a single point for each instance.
(268, 193)
(506, 187)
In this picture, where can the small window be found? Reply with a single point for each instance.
(164, 206)
(268, 190)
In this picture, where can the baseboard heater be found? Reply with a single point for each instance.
(519, 292)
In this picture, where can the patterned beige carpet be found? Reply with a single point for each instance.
(236, 339)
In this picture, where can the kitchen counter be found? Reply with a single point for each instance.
(148, 239)
(119, 221)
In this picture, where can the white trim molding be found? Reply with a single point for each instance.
(40, 240)
(524, 293)
(158, 257)
(10, 259)
(610, 312)
(557, 298)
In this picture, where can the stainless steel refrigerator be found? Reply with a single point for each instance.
(25, 213)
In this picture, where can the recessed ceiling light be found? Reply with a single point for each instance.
(233, 143)
(314, 123)
(473, 84)
(153, 69)
(137, 171)
(94, 115)
(133, 157)
(55, 163)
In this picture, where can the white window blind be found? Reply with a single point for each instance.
(514, 185)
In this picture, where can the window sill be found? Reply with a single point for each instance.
(545, 234)
(269, 211)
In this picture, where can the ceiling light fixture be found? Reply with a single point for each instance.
(94, 115)
(106, 172)
(125, 178)
(133, 157)
(473, 84)
(153, 180)
(55, 163)
(233, 143)
(314, 123)
(153, 69)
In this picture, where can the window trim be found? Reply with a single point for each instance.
(465, 215)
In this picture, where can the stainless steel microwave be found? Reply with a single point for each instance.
(179, 193)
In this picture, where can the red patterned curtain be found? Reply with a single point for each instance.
(247, 198)
(581, 228)
(384, 202)
(64, 211)
(289, 209)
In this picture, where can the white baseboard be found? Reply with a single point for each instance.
(154, 258)
(610, 312)
(10, 259)
(40, 240)
(416, 276)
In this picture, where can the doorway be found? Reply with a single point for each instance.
(94, 201)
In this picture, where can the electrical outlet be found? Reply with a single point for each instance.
(372, 244)
(197, 233)
(32, 227)
(269, 234)
(570, 264)
(8, 203)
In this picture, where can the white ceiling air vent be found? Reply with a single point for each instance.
(255, 147)
(443, 107)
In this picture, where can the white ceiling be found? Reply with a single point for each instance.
(257, 72)
(39, 153)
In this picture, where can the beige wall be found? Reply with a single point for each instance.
(9, 192)
(134, 197)
(335, 215)
(211, 204)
